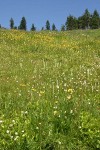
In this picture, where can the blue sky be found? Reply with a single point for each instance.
(38, 11)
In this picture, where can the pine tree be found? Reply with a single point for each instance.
(99, 21)
(33, 28)
(11, 23)
(71, 23)
(15, 27)
(53, 27)
(75, 23)
(80, 22)
(22, 25)
(86, 20)
(63, 28)
(95, 20)
(42, 28)
(47, 25)
(0, 25)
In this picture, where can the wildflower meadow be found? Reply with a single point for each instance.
(50, 90)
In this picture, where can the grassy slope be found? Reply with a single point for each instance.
(49, 90)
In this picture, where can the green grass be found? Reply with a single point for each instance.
(49, 90)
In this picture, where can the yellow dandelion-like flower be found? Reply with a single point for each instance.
(70, 91)
(33, 89)
(42, 92)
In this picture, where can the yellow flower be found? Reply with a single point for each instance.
(33, 89)
(56, 102)
(55, 112)
(42, 92)
(23, 85)
(70, 91)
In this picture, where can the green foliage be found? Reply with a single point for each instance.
(80, 22)
(22, 25)
(90, 130)
(86, 19)
(33, 28)
(71, 23)
(47, 25)
(63, 28)
(95, 20)
(42, 28)
(15, 27)
(11, 23)
(53, 27)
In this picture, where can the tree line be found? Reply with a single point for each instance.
(86, 21)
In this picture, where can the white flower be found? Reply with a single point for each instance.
(1, 121)
(11, 137)
(65, 84)
(55, 107)
(16, 138)
(57, 86)
(59, 142)
(13, 121)
(26, 112)
(71, 111)
(7, 131)
(16, 133)
(11, 125)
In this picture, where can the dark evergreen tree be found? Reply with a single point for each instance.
(95, 20)
(47, 25)
(11, 23)
(18, 27)
(63, 28)
(99, 21)
(80, 22)
(53, 27)
(42, 28)
(15, 27)
(22, 25)
(86, 19)
(71, 23)
(0, 25)
(75, 23)
(33, 28)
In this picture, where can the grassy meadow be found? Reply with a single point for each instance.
(50, 90)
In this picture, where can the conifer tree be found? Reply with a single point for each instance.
(53, 27)
(95, 20)
(11, 23)
(22, 25)
(80, 22)
(33, 28)
(15, 27)
(71, 23)
(47, 25)
(42, 28)
(63, 28)
(86, 19)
